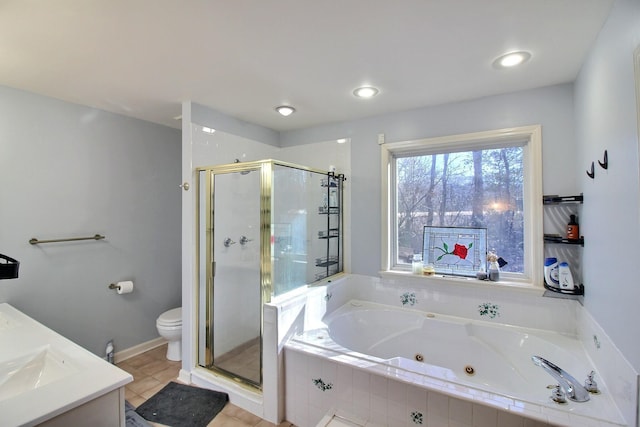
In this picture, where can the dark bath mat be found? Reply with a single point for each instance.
(179, 405)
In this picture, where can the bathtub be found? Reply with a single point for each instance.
(468, 359)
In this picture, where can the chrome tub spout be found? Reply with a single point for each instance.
(569, 385)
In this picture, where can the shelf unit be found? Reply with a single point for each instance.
(558, 239)
(331, 261)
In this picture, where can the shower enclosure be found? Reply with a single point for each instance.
(263, 228)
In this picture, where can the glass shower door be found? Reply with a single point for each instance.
(264, 228)
(235, 295)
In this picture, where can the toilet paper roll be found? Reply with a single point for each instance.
(124, 287)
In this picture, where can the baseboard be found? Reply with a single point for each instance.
(184, 376)
(127, 353)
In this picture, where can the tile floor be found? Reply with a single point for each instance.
(151, 371)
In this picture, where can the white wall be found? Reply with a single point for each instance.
(69, 171)
(221, 147)
(606, 119)
(552, 107)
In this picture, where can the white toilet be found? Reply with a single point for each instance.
(169, 326)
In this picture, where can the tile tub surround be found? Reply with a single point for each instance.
(75, 375)
(375, 400)
(516, 307)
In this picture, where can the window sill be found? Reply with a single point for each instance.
(469, 282)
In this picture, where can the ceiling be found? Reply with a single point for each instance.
(142, 58)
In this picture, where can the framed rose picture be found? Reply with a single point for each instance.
(459, 251)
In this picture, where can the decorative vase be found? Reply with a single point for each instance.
(494, 271)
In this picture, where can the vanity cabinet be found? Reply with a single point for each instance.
(330, 234)
(557, 213)
(103, 411)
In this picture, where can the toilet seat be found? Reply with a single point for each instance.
(170, 318)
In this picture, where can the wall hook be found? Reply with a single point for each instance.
(591, 174)
(605, 164)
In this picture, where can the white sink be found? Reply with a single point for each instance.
(33, 370)
(7, 321)
(45, 377)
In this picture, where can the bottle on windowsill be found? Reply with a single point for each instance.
(416, 264)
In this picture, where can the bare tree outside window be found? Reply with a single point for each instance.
(462, 189)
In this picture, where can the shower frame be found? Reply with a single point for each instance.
(266, 170)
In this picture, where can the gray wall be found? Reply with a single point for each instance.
(552, 107)
(68, 170)
(606, 118)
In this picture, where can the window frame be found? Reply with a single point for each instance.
(528, 137)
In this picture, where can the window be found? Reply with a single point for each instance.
(489, 179)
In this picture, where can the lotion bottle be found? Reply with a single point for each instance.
(565, 277)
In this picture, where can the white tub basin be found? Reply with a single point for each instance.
(43, 375)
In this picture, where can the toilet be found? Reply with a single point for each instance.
(169, 326)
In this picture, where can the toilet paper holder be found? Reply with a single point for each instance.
(122, 287)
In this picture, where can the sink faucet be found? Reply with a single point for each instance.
(569, 385)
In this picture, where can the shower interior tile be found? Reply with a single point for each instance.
(244, 360)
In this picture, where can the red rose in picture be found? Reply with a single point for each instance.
(460, 251)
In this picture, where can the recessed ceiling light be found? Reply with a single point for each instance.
(511, 59)
(365, 92)
(285, 110)
(341, 140)
(207, 130)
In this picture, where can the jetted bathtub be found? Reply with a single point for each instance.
(467, 357)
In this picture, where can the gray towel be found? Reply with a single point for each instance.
(132, 418)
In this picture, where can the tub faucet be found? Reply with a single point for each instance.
(569, 385)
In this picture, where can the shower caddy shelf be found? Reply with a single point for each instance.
(331, 207)
(555, 200)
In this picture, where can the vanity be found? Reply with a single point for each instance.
(47, 380)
